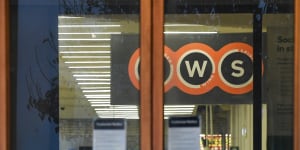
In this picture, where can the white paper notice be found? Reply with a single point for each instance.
(109, 134)
(183, 133)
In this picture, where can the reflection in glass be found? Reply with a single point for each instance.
(88, 82)
(207, 69)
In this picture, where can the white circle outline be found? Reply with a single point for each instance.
(221, 74)
(179, 63)
(136, 72)
(137, 75)
(171, 70)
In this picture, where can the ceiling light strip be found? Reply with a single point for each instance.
(183, 25)
(86, 25)
(87, 67)
(103, 101)
(118, 109)
(83, 57)
(178, 111)
(100, 105)
(170, 109)
(88, 75)
(98, 100)
(111, 111)
(84, 39)
(92, 97)
(87, 62)
(72, 46)
(88, 33)
(91, 83)
(116, 116)
(84, 52)
(172, 106)
(91, 72)
(94, 88)
(84, 79)
(94, 91)
(186, 32)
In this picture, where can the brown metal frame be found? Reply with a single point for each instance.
(297, 77)
(4, 76)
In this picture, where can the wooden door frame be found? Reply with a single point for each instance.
(151, 93)
(145, 76)
(4, 75)
(158, 75)
(152, 53)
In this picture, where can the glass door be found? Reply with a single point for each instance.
(85, 75)
(228, 75)
(75, 75)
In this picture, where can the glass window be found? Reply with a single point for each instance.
(209, 85)
(73, 90)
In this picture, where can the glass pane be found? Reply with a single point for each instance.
(209, 75)
(279, 90)
(73, 89)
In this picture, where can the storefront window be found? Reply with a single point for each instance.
(73, 90)
(75, 70)
(209, 69)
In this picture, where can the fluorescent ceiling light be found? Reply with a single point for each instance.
(121, 111)
(168, 109)
(100, 105)
(178, 111)
(89, 67)
(92, 97)
(85, 79)
(184, 32)
(96, 83)
(124, 106)
(183, 25)
(87, 33)
(87, 95)
(87, 62)
(84, 52)
(117, 109)
(100, 102)
(91, 72)
(94, 91)
(118, 112)
(116, 116)
(84, 39)
(81, 57)
(89, 75)
(91, 26)
(85, 46)
(94, 88)
(176, 106)
(97, 96)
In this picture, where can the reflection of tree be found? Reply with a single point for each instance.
(87, 7)
(43, 96)
(79, 7)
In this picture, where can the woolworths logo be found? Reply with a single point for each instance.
(196, 68)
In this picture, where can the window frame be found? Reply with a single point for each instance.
(151, 77)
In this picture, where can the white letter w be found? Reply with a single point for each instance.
(196, 66)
